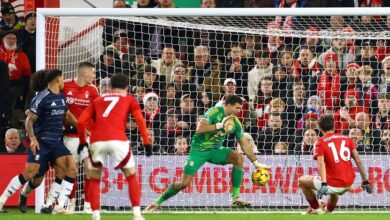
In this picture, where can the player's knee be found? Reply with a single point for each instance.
(238, 160)
(302, 181)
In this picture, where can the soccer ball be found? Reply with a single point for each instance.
(229, 125)
(260, 177)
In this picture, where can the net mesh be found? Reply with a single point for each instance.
(289, 70)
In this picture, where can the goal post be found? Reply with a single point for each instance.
(67, 36)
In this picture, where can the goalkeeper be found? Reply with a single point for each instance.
(206, 146)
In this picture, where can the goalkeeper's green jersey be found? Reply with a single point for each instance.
(214, 139)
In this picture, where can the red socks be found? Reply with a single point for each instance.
(73, 192)
(313, 203)
(86, 190)
(330, 207)
(134, 190)
(94, 192)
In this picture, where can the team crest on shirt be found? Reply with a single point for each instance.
(69, 93)
(37, 157)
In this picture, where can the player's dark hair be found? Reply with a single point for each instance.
(38, 81)
(233, 99)
(85, 65)
(119, 81)
(326, 123)
(53, 74)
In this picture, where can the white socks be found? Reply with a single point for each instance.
(54, 192)
(66, 189)
(12, 187)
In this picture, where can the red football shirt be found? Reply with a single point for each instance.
(336, 150)
(78, 98)
(110, 114)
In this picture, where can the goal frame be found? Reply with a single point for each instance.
(43, 13)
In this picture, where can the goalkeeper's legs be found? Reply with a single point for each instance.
(171, 191)
(306, 183)
(237, 173)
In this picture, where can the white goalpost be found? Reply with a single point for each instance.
(67, 36)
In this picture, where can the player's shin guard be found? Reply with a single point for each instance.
(94, 192)
(86, 190)
(54, 192)
(12, 187)
(66, 188)
(237, 174)
(134, 194)
(28, 187)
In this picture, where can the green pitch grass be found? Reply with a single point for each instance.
(14, 214)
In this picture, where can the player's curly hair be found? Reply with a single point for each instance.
(38, 81)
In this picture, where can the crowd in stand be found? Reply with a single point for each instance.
(177, 74)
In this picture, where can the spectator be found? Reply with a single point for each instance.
(182, 83)
(151, 110)
(139, 94)
(109, 64)
(280, 82)
(289, 20)
(136, 67)
(338, 50)
(19, 73)
(351, 79)
(10, 21)
(345, 117)
(248, 43)
(368, 90)
(27, 36)
(382, 118)
(306, 68)
(384, 81)
(337, 23)
(296, 106)
(105, 86)
(328, 88)
(311, 42)
(208, 4)
(385, 140)
(133, 136)
(181, 145)
(310, 136)
(13, 144)
(281, 148)
(167, 63)
(273, 133)
(120, 4)
(201, 68)
(286, 59)
(205, 101)
(237, 68)
(371, 136)
(165, 4)
(170, 130)
(365, 23)
(230, 3)
(187, 115)
(153, 82)
(274, 42)
(146, 4)
(367, 57)
(310, 122)
(262, 100)
(5, 101)
(169, 100)
(230, 88)
(262, 69)
(358, 139)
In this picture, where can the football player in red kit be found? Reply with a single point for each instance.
(110, 113)
(336, 174)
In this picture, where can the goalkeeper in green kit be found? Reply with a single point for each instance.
(206, 146)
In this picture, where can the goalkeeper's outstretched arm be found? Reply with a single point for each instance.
(246, 142)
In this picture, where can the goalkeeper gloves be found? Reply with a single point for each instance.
(367, 186)
(222, 123)
(148, 149)
(259, 165)
(322, 191)
(81, 148)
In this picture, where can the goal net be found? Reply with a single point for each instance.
(290, 69)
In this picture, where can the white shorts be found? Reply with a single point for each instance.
(72, 143)
(331, 189)
(118, 150)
